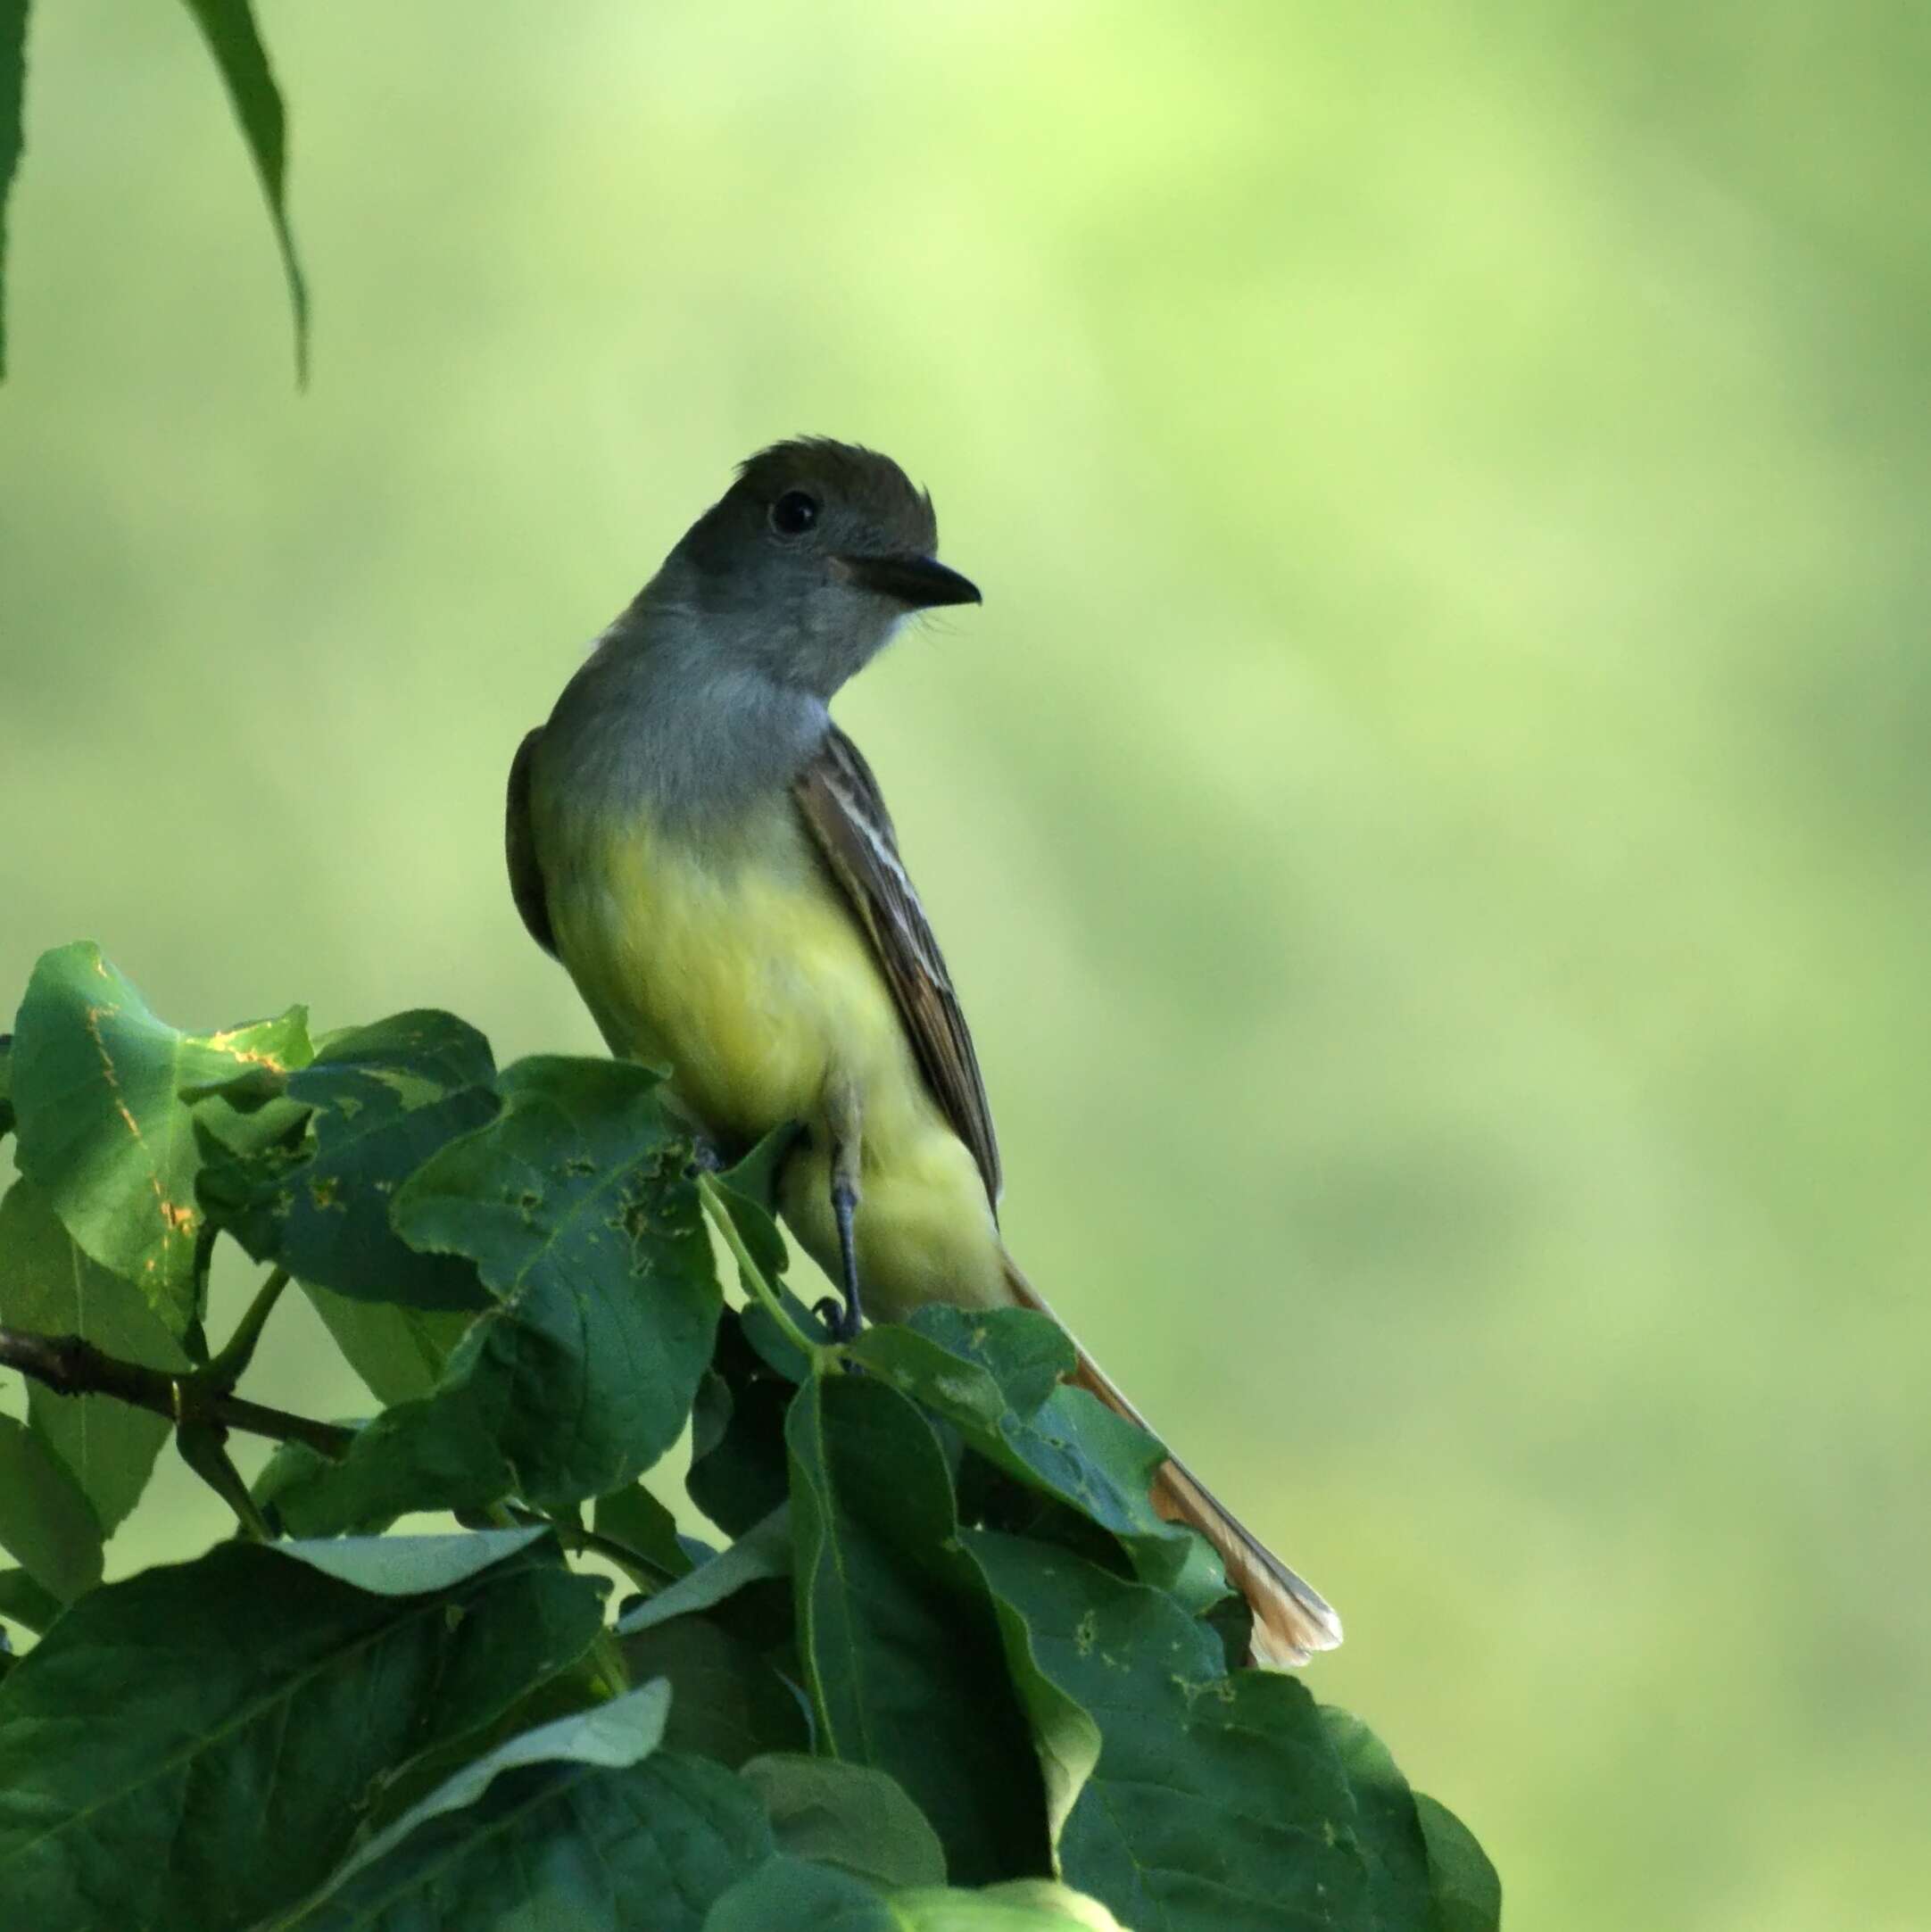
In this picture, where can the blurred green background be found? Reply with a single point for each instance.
(1430, 825)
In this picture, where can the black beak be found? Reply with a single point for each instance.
(919, 582)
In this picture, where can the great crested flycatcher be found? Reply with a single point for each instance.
(709, 856)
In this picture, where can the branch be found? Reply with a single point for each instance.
(71, 1365)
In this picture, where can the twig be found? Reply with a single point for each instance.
(71, 1365)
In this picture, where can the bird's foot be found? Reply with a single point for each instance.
(842, 1318)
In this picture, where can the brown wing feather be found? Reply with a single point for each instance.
(840, 800)
(519, 848)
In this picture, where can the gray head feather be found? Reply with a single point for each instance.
(713, 685)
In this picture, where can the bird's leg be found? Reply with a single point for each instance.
(842, 1121)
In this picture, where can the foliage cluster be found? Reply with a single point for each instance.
(950, 1670)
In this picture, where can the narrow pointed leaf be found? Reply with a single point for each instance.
(12, 85)
(229, 28)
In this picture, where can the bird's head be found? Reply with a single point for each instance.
(809, 561)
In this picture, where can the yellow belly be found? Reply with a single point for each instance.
(742, 969)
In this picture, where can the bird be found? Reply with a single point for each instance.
(711, 859)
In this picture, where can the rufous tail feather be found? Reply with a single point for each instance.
(1291, 1620)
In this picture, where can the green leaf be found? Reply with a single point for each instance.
(760, 1556)
(6, 1040)
(96, 1083)
(996, 1377)
(1390, 1831)
(399, 1352)
(408, 1565)
(45, 1522)
(194, 1748)
(1216, 1803)
(24, 1602)
(726, 1702)
(796, 1896)
(47, 1285)
(568, 1842)
(901, 1659)
(380, 1100)
(1466, 1892)
(238, 52)
(791, 1894)
(12, 81)
(847, 1815)
(1424, 1870)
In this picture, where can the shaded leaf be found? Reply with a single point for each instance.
(399, 1352)
(24, 1602)
(47, 1285)
(195, 1747)
(847, 1815)
(802, 1897)
(797, 1896)
(902, 1660)
(995, 1375)
(739, 1471)
(96, 1083)
(621, 1732)
(726, 1702)
(762, 1555)
(636, 1518)
(1215, 1803)
(378, 1101)
(229, 28)
(46, 1522)
(564, 1843)
(294, 1474)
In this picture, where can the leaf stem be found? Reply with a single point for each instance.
(71, 1365)
(225, 1371)
(714, 1205)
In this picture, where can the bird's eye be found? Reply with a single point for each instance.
(794, 513)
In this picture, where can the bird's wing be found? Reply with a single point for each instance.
(519, 847)
(846, 818)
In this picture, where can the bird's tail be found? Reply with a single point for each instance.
(1291, 1621)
